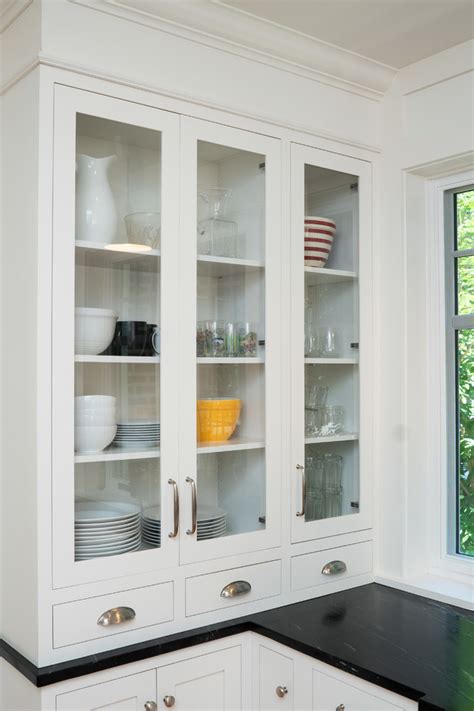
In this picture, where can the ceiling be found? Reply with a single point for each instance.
(394, 32)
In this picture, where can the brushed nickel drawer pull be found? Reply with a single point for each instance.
(334, 567)
(191, 531)
(300, 468)
(169, 701)
(150, 706)
(175, 530)
(281, 691)
(116, 615)
(238, 587)
(341, 707)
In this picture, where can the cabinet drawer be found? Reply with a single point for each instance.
(331, 693)
(306, 570)
(275, 673)
(75, 622)
(204, 592)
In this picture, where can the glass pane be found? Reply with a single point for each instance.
(465, 285)
(117, 338)
(464, 206)
(331, 344)
(466, 441)
(230, 341)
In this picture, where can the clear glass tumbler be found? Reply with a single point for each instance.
(333, 423)
(201, 339)
(231, 340)
(248, 340)
(327, 342)
(333, 467)
(215, 339)
(314, 420)
(315, 394)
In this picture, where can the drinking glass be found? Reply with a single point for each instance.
(332, 501)
(315, 394)
(311, 349)
(315, 474)
(215, 339)
(201, 338)
(231, 342)
(333, 420)
(333, 466)
(327, 342)
(314, 420)
(247, 339)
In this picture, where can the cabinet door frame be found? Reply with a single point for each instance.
(141, 686)
(300, 529)
(192, 131)
(68, 102)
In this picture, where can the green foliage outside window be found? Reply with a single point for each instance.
(465, 344)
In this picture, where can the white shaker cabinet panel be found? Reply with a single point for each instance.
(211, 682)
(129, 693)
(330, 693)
(276, 690)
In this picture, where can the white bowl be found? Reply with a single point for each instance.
(95, 402)
(94, 330)
(95, 418)
(92, 440)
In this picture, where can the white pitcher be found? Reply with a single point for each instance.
(96, 215)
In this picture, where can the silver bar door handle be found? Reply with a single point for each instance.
(191, 531)
(238, 587)
(175, 530)
(300, 468)
(334, 567)
(116, 616)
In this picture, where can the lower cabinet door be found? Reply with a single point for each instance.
(129, 693)
(275, 688)
(332, 694)
(210, 682)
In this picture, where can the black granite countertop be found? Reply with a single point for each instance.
(416, 647)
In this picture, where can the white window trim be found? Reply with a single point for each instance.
(442, 562)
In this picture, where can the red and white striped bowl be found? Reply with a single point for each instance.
(318, 238)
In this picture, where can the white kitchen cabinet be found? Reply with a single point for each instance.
(211, 682)
(187, 514)
(285, 679)
(331, 414)
(128, 693)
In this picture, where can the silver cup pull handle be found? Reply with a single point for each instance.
(238, 587)
(334, 567)
(116, 616)
(191, 531)
(175, 530)
(300, 468)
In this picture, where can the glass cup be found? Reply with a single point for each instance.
(333, 467)
(201, 331)
(333, 423)
(248, 340)
(315, 394)
(314, 420)
(215, 339)
(231, 340)
(327, 342)
(332, 501)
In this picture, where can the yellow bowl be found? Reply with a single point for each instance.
(217, 419)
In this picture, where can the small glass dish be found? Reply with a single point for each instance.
(143, 228)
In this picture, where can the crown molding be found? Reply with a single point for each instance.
(11, 11)
(222, 27)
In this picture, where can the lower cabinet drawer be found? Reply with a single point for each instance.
(105, 615)
(337, 563)
(227, 588)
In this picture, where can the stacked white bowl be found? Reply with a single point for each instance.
(318, 238)
(94, 330)
(95, 423)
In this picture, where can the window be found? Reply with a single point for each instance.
(459, 217)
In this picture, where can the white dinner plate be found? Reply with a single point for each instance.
(101, 511)
(122, 545)
(103, 554)
(110, 527)
(106, 536)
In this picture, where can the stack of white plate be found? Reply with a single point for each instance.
(104, 528)
(151, 526)
(138, 434)
(211, 522)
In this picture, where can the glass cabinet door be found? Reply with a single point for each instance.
(331, 343)
(230, 341)
(114, 436)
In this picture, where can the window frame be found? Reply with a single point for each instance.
(441, 289)
(454, 324)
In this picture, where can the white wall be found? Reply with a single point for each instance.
(428, 130)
